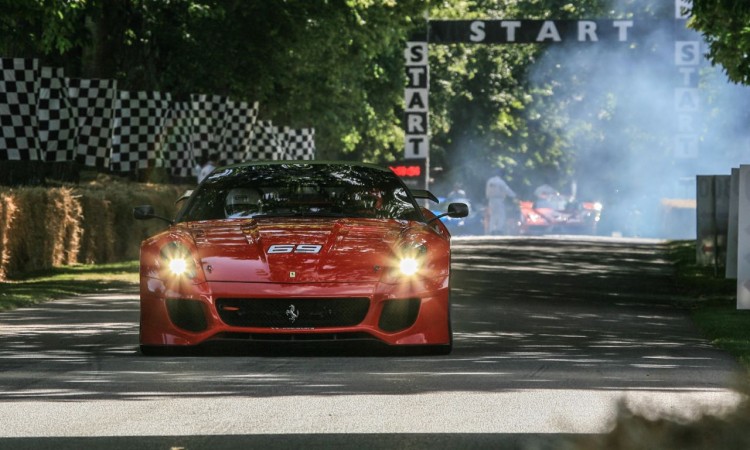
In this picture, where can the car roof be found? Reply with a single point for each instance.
(314, 163)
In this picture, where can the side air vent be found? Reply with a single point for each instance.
(399, 315)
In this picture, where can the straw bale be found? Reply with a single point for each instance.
(63, 226)
(8, 211)
(41, 228)
(97, 240)
(110, 231)
(29, 242)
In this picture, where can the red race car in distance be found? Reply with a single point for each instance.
(553, 213)
(298, 251)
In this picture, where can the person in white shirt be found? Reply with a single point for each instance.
(209, 167)
(496, 191)
(198, 167)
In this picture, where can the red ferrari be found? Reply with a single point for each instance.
(298, 251)
(558, 215)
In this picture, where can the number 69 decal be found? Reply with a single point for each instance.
(294, 248)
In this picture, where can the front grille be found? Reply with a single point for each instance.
(292, 312)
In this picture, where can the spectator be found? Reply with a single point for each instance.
(213, 161)
(198, 167)
(497, 191)
(457, 192)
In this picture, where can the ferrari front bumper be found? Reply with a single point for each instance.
(409, 313)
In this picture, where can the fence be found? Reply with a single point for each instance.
(47, 117)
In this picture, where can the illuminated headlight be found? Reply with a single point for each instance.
(411, 259)
(408, 266)
(407, 263)
(178, 260)
(178, 266)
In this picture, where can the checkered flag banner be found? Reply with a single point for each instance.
(138, 137)
(180, 157)
(19, 83)
(209, 113)
(46, 116)
(56, 118)
(265, 142)
(93, 102)
(299, 143)
(235, 133)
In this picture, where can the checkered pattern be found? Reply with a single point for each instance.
(56, 118)
(209, 113)
(19, 84)
(93, 102)
(138, 134)
(238, 124)
(265, 142)
(180, 157)
(46, 116)
(300, 143)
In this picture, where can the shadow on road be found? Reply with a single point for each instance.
(527, 314)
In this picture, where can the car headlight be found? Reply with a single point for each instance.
(409, 261)
(178, 260)
(408, 266)
(178, 266)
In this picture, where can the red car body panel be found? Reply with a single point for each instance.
(241, 261)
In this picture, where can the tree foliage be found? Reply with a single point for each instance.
(725, 24)
(338, 66)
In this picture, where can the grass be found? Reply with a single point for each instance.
(713, 302)
(66, 282)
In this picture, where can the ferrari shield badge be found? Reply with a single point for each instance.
(292, 313)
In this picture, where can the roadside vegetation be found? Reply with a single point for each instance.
(713, 301)
(67, 281)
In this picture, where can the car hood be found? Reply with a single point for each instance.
(296, 250)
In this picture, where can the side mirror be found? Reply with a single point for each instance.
(457, 210)
(145, 212)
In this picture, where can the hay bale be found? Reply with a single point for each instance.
(64, 216)
(41, 228)
(44, 231)
(28, 239)
(8, 210)
(97, 241)
(119, 233)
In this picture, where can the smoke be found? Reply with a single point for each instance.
(636, 133)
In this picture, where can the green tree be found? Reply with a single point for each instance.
(725, 24)
(486, 110)
(336, 65)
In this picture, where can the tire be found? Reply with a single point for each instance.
(164, 350)
(437, 350)
(152, 350)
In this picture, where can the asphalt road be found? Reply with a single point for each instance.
(552, 338)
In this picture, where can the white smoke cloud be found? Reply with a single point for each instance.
(624, 124)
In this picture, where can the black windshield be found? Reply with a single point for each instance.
(301, 190)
